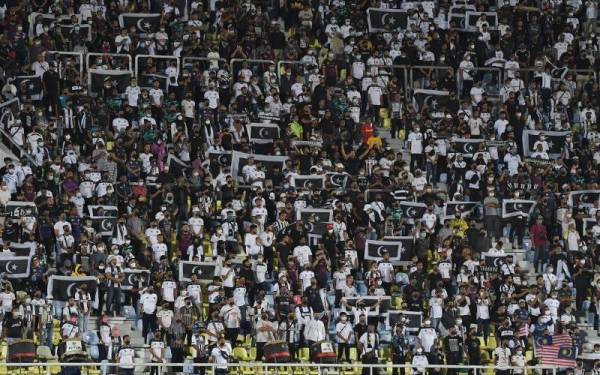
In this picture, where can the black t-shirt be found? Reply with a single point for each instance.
(473, 351)
(14, 327)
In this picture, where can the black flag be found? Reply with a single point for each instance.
(104, 225)
(263, 132)
(177, 167)
(517, 207)
(29, 85)
(133, 277)
(146, 23)
(269, 162)
(316, 227)
(204, 270)
(378, 18)
(99, 210)
(413, 210)
(60, 288)
(466, 145)
(22, 249)
(435, 100)
(310, 182)
(119, 79)
(337, 180)
(15, 266)
(223, 157)
(374, 250)
(451, 208)
(20, 209)
(412, 320)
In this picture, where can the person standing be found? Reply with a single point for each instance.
(369, 345)
(344, 335)
(539, 239)
(114, 277)
(51, 84)
(220, 355)
(148, 300)
(157, 353)
(125, 358)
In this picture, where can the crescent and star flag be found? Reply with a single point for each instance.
(222, 157)
(432, 99)
(20, 209)
(493, 262)
(204, 270)
(337, 180)
(60, 288)
(466, 145)
(451, 208)
(133, 277)
(555, 140)
(583, 197)
(378, 18)
(316, 214)
(374, 249)
(14, 105)
(310, 182)
(555, 350)
(177, 166)
(412, 319)
(413, 210)
(146, 23)
(15, 266)
(517, 207)
(30, 84)
(119, 78)
(262, 133)
(385, 302)
(104, 225)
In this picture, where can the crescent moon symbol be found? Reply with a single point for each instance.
(8, 267)
(380, 250)
(263, 133)
(131, 278)
(308, 184)
(497, 261)
(106, 224)
(140, 25)
(411, 212)
(197, 270)
(70, 289)
(310, 227)
(469, 147)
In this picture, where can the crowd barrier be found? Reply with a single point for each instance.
(251, 368)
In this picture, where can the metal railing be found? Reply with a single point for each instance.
(155, 57)
(49, 368)
(110, 55)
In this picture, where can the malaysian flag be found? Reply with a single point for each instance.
(555, 350)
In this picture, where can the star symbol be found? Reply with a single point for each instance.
(434, 104)
(550, 145)
(147, 25)
(115, 83)
(13, 267)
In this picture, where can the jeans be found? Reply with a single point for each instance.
(83, 323)
(540, 257)
(484, 328)
(113, 300)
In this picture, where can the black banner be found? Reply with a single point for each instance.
(413, 210)
(412, 320)
(18, 209)
(517, 207)
(466, 145)
(310, 182)
(223, 157)
(103, 211)
(379, 18)
(374, 250)
(314, 215)
(452, 208)
(555, 140)
(104, 225)
(435, 100)
(60, 288)
(204, 270)
(316, 227)
(263, 132)
(133, 278)
(15, 266)
(146, 23)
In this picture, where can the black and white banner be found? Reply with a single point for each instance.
(30, 85)
(135, 278)
(472, 17)
(492, 262)
(146, 23)
(15, 266)
(310, 182)
(433, 99)
(589, 223)
(413, 210)
(555, 140)
(262, 133)
(100, 210)
(412, 320)
(23, 249)
(314, 214)
(467, 146)
(60, 288)
(584, 197)
(146, 81)
(517, 207)
(406, 246)
(19, 209)
(222, 157)
(374, 250)
(337, 180)
(463, 208)
(379, 18)
(104, 225)
(98, 77)
(205, 271)
(240, 159)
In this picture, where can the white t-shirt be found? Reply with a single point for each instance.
(416, 142)
(148, 301)
(168, 290)
(427, 335)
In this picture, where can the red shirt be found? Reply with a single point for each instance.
(538, 234)
(367, 129)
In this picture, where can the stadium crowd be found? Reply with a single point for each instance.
(303, 172)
